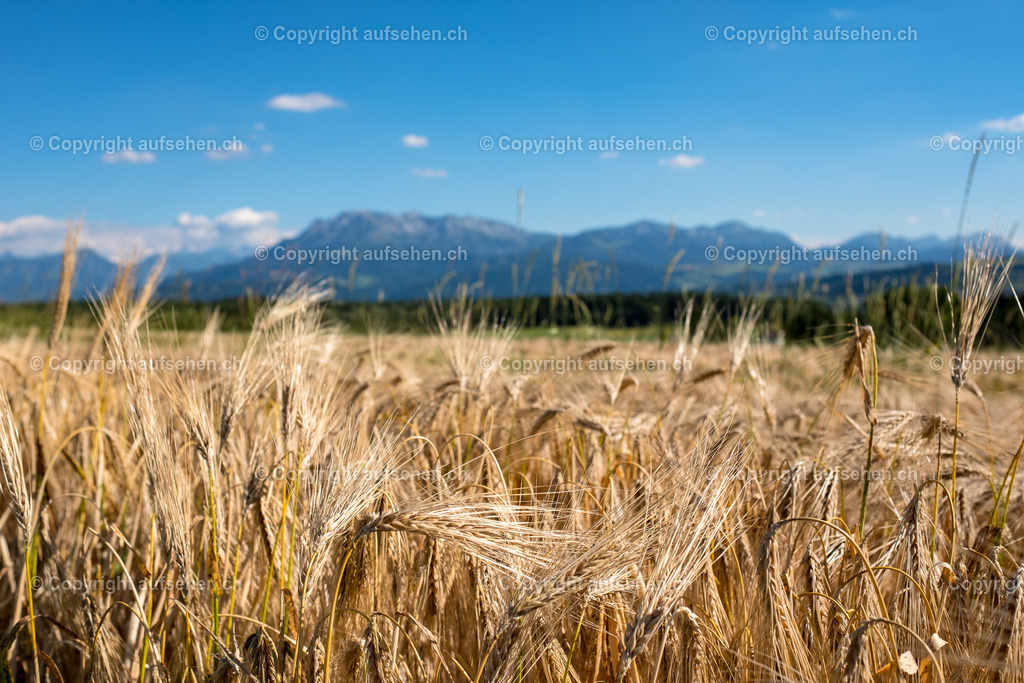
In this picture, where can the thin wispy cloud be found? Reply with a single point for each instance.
(1014, 124)
(129, 156)
(416, 141)
(308, 103)
(430, 173)
(839, 13)
(682, 161)
(609, 155)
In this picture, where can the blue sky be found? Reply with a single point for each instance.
(818, 139)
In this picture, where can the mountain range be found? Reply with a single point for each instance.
(366, 256)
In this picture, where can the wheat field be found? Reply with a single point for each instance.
(317, 505)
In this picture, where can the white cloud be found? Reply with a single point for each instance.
(609, 155)
(235, 151)
(430, 172)
(35, 235)
(314, 101)
(1012, 125)
(682, 161)
(839, 13)
(759, 213)
(244, 223)
(246, 218)
(196, 227)
(266, 148)
(129, 156)
(258, 126)
(31, 225)
(912, 220)
(239, 229)
(413, 140)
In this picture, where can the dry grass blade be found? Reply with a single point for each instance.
(67, 274)
(12, 474)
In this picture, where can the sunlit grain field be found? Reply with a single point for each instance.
(302, 503)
